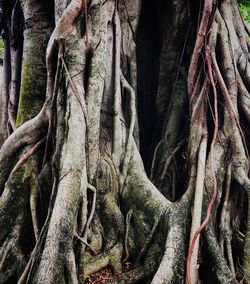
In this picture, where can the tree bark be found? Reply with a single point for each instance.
(125, 142)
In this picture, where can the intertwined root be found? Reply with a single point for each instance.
(125, 216)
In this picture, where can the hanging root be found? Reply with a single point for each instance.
(148, 241)
(169, 160)
(23, 278)
(84, 242)
(197, 208)
(199, 44)
(79, 98)
(128, 218)
(129, 141)
(54, 98)
(224, 212)
(151, 219)
(27, 156)
(92, 211)
(117, 134)
(212, 42)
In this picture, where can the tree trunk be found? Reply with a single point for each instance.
(125, 142)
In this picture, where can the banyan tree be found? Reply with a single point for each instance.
(124, 140)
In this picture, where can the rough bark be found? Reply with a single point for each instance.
(125, 141)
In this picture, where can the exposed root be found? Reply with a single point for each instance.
(169, 160)
(128, 218)
(27, 134)
(224, 212)
(229, 103)
(27, 156)
(222, 273)
(212, 157)
(111, 257)
(148, 241)
(199, 44)
(79, 98)
(114, 164)
(132, 109)
(54, 99)
(34, 197)
(197, 207)
(117, 134)
(84, 241)
(154, 159)
(23, 278)
(84, 238)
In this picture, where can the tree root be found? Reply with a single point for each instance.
(128, 218)
(116, 169)
(111, 257)
(212, 157)
(117, 135)
(129, 141)
(27, 156)
(27, 134)
(197, 209)
(148, 241)
(199, 44)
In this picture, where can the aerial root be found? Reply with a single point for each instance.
(23, 278)
(199, 44)
(244, 99)
(148, 241)
(224, 211)
(53, 102)
(27, 156)
(154, 158)
(228, 101)
(27, 134)
(128, 219)
(85, 8)
(62, 31)
(197, 207)
(84, 238)
(129, 141)
(85, 242)
(117, 134)
(225, 223)
(169, 159)
(79, 98)
(210, 46)
(92, 211)
(34, 196)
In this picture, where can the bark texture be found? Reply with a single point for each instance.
(125, 142)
